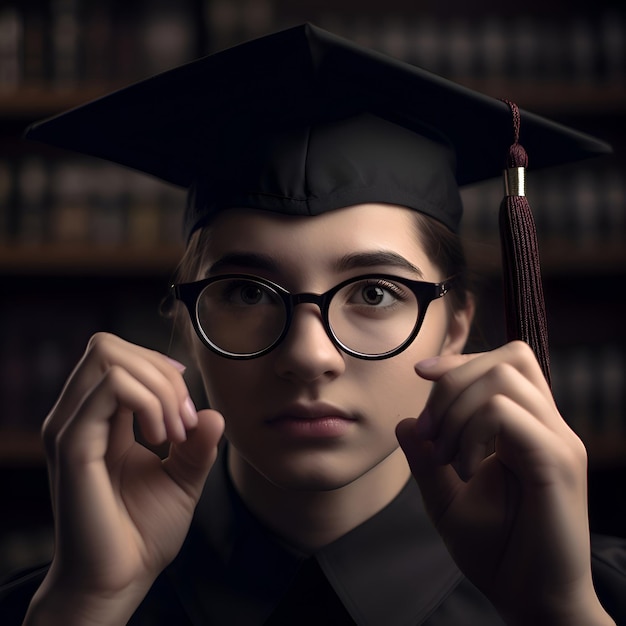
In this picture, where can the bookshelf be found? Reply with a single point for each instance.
(33, 102)
(79, 237)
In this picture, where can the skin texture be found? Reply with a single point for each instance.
(514, 518)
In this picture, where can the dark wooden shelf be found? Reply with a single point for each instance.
(36, 102)
(558, 256)
(21, 449)
(82, 259)
(605, 451)
(555, 96)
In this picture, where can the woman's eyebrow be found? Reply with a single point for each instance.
(352, 261)
(357, 260)
(243, 260)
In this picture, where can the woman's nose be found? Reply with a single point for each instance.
(307, 353)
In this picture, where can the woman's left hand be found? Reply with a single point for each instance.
(504, 479)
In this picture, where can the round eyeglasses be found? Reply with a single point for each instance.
(369, 317)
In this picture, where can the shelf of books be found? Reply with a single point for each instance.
(61, 44)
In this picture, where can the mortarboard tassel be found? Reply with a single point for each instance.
(523, 291)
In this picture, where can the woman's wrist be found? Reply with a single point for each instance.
(53, 605)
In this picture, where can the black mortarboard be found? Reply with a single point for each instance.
(302, 122)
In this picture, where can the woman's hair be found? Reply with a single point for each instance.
(194, 257)
(445, 249)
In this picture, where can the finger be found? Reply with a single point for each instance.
(532, 452)
(509, 370)
(438, 483)
(517, 353)
(471, 455)
(156, 371)
(189, 462)
(477, 441)
(105, 350)
(503, 380)
(159, 374)
(85, 437)
(86, 451)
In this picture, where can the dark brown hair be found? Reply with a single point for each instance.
(445, 249)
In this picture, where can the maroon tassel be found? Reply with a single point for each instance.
(523, 291)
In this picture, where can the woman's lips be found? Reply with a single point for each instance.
(319, 421)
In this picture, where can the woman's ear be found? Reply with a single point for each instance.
(459, 327)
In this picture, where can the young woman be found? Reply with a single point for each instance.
(330, 341)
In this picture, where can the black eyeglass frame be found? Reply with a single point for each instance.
(425, 293)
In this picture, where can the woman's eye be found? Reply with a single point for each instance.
(246, 294)
(377, 294)
(373, 294)
(251, 294)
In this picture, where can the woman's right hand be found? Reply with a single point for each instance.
(121, 513)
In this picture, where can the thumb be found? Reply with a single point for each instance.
(435, 367)
(189, 462)
(438, 483)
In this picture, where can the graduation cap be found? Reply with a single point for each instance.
(302, 122)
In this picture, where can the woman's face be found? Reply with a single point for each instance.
(306, 415)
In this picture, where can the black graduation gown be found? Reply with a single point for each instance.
(392, 570)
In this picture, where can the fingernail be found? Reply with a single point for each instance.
(427, 363)
(179, 366)
(424, 424)
(192, 413)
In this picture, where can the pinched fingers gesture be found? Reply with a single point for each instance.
(121, 513)
(504, 480)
